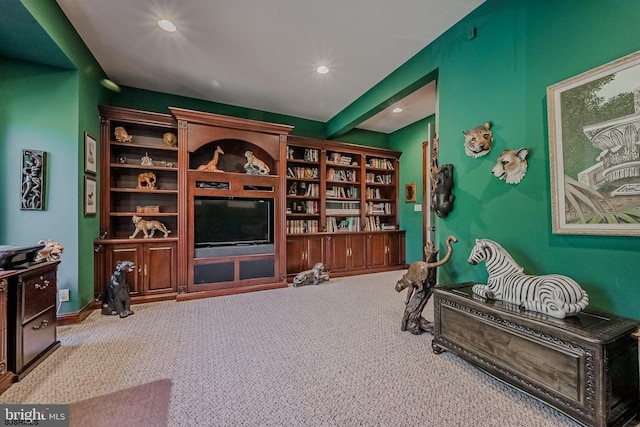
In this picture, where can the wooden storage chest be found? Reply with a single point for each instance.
(585, 366)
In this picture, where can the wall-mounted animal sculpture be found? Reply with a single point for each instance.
(478, 141)
(441, 183)
(511, 165)
(552, 294)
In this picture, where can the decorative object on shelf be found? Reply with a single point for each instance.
(122, 135)
(419, 281)
(117, 299)
(90, 154)
(511, 166)
(146, 160)
(148, 227)
(315, 276)
(596, 189)
(410, 192)
(146, 181)
(478, 141)
(290, 153)
(552, 294)
(254, 165)
(51, 251)
(293, 189)
(170, 139)
(212, 166)
(441, 179)
(33, 180)
(90, 196)
(147, 209)
(122, 160)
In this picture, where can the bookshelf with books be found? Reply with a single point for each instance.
(342, 207)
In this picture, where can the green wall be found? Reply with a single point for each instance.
(501, 76)
(49, 108)
(39, 111)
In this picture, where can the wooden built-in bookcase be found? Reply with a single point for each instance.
(321, 201)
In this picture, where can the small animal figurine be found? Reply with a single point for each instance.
(511, 165)
(146, 181)
(316, 275)
(117, 299)
(170, 139)
(122, 135)
(416, 276)
(254, 165)
(147, 226)
(212, 166)
(478, 141)
(51, 251)
(146, 160)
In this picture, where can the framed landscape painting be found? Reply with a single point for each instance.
(594, 150)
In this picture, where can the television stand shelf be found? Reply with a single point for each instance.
(585, 366)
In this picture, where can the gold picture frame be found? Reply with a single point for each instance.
(594, 150)
(410, 192)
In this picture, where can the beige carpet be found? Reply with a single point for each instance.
(144, 405)
(326, 355)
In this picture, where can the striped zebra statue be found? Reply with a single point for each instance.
(552, 294)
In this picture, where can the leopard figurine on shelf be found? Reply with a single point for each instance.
(148, 227)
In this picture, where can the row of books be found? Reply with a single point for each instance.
(304, 189)
(310, 154)
(378, 179)
(349, 223)
(303, 206)
(339, 191)
(381, 163)
(340, 207)
(339, 158)
(300, 172)
(372, 223)
(373, 193)
(379, 208)
(299, 226)
(341, 175)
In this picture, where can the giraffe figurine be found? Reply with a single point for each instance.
(212, 166)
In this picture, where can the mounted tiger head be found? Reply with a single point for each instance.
(478, 141)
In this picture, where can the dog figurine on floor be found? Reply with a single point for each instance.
(511, 165)
(117, 299)
(316, 275)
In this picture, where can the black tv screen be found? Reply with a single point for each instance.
(220, 222)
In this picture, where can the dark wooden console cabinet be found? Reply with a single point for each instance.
(31, 320)
(585, 366)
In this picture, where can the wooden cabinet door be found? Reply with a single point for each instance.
(315, 250)
(159, 268)
(395, 249)
(295, 254)
(126, 252)
(357, 251)
(338, 253)
(377, 253)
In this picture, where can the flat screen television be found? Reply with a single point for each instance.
(226, 222)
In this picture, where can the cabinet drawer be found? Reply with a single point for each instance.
(39, 293)
(37, 335)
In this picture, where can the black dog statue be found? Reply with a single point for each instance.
(117, 299)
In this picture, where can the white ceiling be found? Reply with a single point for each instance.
(263, 54)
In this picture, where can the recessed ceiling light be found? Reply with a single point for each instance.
(397, 110)
(323, 69)
(167, 25)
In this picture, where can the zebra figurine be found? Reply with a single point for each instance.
(552, 294)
